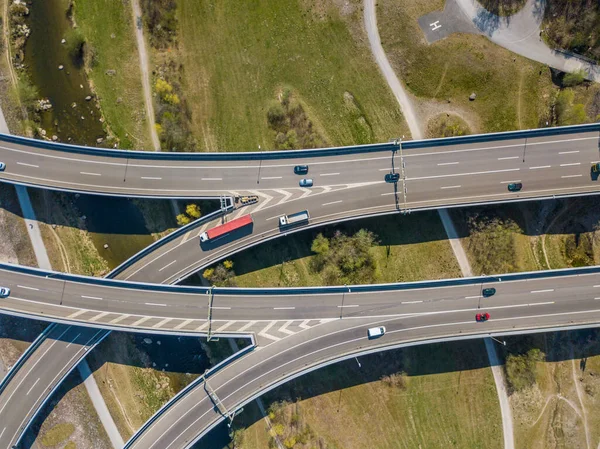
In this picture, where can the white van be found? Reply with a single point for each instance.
(376, 332)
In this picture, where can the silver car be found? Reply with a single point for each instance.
(2, 166)
(306, 182)
(4, 292)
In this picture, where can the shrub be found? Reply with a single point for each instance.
(183, 219)
(520, 369)
(396, 380)
(228, 264)
(344, 259)
(193, 210)
(208, 273)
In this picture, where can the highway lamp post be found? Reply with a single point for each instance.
(524, 149)
(359, 365)
(259, 167)
(502, 342)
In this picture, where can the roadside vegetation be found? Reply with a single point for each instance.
(558, 400)
(503, 7)
(172, 112)
(104, 42)
(314, 54)
(68, 421)
(512, 92)
(393, 248)
(404, 396)
(573, 26)
(530, 236)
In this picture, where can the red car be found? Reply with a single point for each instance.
(481, 317)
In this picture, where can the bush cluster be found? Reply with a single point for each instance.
(172, 113)
(344, 259)
(291, 124)
(192, 212)
(161, 21)
(520, 369)
(574, 26)
(222, 275)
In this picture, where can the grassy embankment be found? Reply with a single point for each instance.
(136, 378)
(512, 92)
(239, 58)
(68, 420)
(410, 248)
(531, 236)
(561, 406)
(114, 71)
(437, 396)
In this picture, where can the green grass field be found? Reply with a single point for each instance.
(108, 27)
(412, 247)
(238, 57)
(448, 400)
(512, 92)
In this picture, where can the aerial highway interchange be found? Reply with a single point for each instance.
(299, 335)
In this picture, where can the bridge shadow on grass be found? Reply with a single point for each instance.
(570, 216)
(22, 331)
(180, 359)
(398, 368)
(103, 214)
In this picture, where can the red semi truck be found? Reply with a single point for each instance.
(226, 228)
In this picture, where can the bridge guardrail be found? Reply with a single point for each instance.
(475, 138)
(189, 387)
(25, 356)
(304, 290)
(181, 156)
(307, 153)
(168, 238)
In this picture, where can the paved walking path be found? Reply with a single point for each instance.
(413, 124)
(520, 33)
(105, 417)
(370, 17)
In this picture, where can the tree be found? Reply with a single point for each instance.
(193, 210)
(183, 219)
(345, 259)
(208, 273)
(520, 369)
(228, 264)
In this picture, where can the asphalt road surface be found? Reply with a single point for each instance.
(433, 177)
(39, 376)
(241, 381)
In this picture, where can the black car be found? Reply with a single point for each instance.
(515, 186)
(392, 177)
(301, 169)
(487, 292)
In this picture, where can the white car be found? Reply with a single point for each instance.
(376, 332)
(4, 292)
(2, 166)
